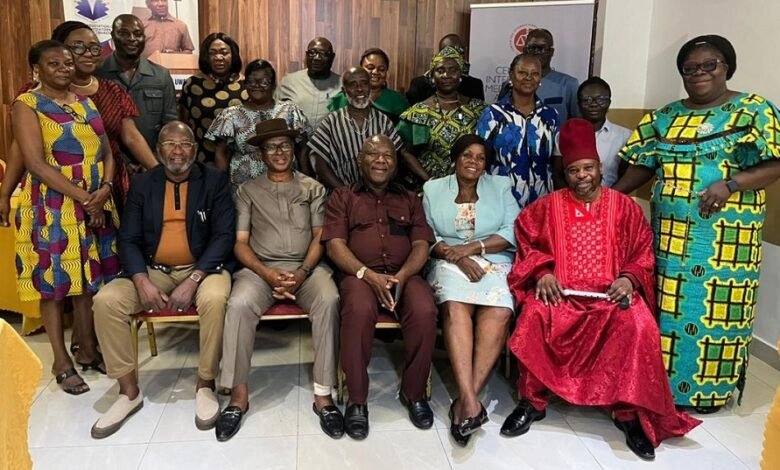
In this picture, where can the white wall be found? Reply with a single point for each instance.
(622, 46)
(748, 24)
(637, 56)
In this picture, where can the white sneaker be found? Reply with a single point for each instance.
(206, 408)
(115, 417)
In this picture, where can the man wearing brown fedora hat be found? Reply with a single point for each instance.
(279, 224)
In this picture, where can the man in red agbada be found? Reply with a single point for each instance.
(590, 351)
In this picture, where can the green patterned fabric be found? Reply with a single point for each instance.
(707, 267)
(436, 130)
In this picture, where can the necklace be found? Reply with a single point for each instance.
(445, 115)
(91, 81)
(360, 131)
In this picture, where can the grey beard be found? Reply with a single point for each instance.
(359, 104)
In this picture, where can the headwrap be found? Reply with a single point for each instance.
(577, 141)
(449, 52)
(719, 43)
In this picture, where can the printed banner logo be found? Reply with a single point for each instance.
(519, 35)
(92, 13)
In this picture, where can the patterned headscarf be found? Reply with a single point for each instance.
(449, 52)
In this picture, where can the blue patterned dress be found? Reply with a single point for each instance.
(523, 146)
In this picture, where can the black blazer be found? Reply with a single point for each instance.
(421, 88)
(211, 220)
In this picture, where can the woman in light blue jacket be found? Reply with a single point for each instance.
(472, 215)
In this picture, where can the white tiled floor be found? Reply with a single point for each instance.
(281, 432)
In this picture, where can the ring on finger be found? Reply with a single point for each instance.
(715, 204)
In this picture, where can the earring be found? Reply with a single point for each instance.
(35, 76)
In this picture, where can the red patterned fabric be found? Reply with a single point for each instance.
(589, 351)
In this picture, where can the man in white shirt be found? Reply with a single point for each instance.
(594, 97)
(313, 87)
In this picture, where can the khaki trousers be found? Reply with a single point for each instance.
(118, 300)
(251, 297)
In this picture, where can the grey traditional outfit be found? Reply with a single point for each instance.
(279, 218)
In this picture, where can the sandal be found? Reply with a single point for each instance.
(76, 389)
(74, 348)
(96, 364)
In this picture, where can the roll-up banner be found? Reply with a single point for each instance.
(171, 28)
(498, 32)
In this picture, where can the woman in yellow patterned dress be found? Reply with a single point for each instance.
(712, 154)
(65, 223)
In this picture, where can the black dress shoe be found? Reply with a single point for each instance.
(356, 421)
(331, 420)
(457, 436)
(229, 422)
(519, 421)
(420, 413)
(636, 439)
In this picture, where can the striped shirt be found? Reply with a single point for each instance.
(338, 141)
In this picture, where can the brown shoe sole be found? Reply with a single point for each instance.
(102, 433)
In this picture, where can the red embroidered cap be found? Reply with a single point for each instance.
(577, 141)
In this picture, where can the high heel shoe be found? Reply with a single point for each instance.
(457, 436)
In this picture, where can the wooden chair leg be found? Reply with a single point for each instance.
(152, 338)
(134, 340)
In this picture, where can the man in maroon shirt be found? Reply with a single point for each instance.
(377, 235)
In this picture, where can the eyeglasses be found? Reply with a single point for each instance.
(271, 148)
(80, 48)
(601, 100)
(260, 82)
(312, 53)
(72, 112)
(690, 68)
(222, 52)
(125, 34)
(537, 49)
(170, 145)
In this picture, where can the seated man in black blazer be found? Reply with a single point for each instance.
(421, 87)
(176, 237)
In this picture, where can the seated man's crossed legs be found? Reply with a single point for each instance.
(250, 299)
(113, 306)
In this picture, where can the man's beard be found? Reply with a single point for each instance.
(359, 103)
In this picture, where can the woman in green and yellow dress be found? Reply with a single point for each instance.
(712, 154)
(432, 126)
(390, 102)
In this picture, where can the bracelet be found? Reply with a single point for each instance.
(482, 245)
(109, 183)
(306, 271)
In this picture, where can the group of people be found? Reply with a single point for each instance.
(334, 192)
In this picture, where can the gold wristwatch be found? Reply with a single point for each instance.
(361, 272)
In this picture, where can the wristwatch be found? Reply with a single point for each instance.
(361, 272)
(197, 277)
(732, 185)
